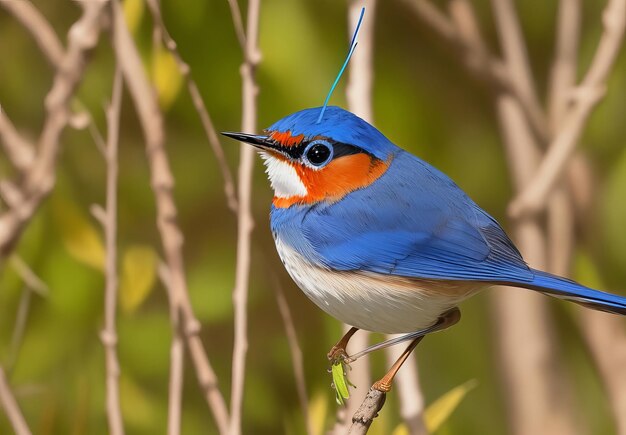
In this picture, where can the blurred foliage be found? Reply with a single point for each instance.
(424, 101)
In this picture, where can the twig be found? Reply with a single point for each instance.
(177, 359)
(605, 337)
(198, 102)
(484, 66)
(245, 222)
(588, 94)
(40, 29)
(109, 333)
(162, 183)
(296, 354)
(367, 412)
(237, 22)
(40, 178)
(11, 408)
(17, 149)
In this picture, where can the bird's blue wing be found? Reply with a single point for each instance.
(413, 222)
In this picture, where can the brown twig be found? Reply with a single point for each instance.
(296, 354)
(11, 408)
(245, 222)
(591, 90)
(484, 66)
(109, 224)
(198, 102)
(367, 412)
(40, 29)
(177, 359)
(40, 177)
(151, 121)
(17, 149)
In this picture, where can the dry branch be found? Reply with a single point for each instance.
(162, 182)
(245, 222)
(109, 333)
(296, 355)
(40, 177)
(367, 412)
(39, 28)
(198, 102)
(11, 408)
(585, 98)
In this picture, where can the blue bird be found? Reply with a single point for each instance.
(380, 239)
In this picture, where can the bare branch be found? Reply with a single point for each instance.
(162, 183)
(40, 178)
(11, 408)
(296, 354)
(198, 102)
(237, 22)
(588, 94)
(17, 149)
(245, 222)
(605, 336)
(367, 412)
(109, 333)
(461, 33)
(39, 28)
(564, 66)
(515, 52)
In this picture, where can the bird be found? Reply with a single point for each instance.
(380, 239)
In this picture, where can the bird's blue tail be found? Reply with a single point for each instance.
(572, 291)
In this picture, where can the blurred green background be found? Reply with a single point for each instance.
(423, 100)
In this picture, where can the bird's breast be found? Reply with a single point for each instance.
(374, 302)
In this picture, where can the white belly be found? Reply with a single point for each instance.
(374, 302)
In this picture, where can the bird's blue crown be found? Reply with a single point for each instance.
(339, 125)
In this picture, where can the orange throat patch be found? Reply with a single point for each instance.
(336, 180)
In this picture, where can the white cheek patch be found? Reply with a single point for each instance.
(283, 177)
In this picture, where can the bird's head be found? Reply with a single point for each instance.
(309, 161)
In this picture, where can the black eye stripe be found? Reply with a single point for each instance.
(343, 149)
(340, 149)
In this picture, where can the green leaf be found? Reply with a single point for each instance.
(80, 238)
(340, 381)
(139, 266)
(440, 410)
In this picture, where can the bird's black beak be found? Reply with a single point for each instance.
(259, 141)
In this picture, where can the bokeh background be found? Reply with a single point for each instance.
(423, 100)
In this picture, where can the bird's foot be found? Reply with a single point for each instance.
(337, 355)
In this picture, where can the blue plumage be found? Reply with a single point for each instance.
(413, 222)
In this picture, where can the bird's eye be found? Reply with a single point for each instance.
(318, 153)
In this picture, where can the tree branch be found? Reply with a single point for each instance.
(198, 102)
(162, 183)
(589, 93)
(109, 333)
(40, 177)
(11, 408)
(245, 222)
(367, 412)
(17, 149)
(39, 28)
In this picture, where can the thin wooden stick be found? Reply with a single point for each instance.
(109, 333)
(245, 222)
(592, 89)
(162, 182)
(40, 177)
(11, 408)
(198, 102)
(296, 354)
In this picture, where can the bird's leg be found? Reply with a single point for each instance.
(338, 351)
(448, 319)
